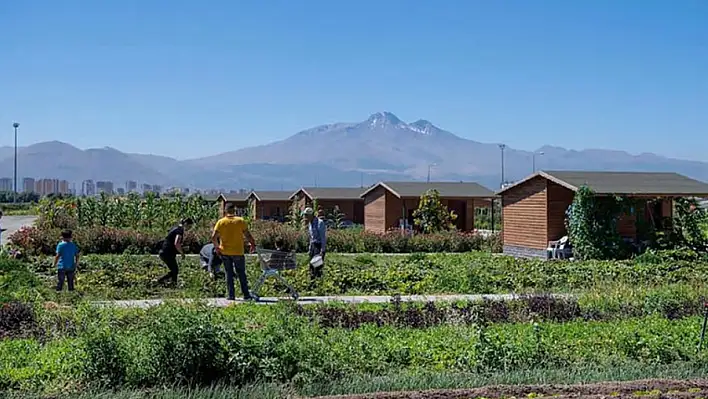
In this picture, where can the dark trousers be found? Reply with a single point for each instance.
(170, 261)
(236, 263)
(67, 275)
(316, 272)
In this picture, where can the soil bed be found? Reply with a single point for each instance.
(630, 389)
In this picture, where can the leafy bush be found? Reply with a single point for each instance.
(16, 320)
(432, 216)
(108, 240)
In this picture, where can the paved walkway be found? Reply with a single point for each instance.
(14, 223)
(311, 300)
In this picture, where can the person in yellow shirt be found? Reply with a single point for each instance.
(227, 237)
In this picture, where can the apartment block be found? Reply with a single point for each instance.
(28, 185)
(104, 187)
(88, 188)
(6, 184)
(131, 185)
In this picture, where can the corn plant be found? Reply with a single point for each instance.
(132, 211)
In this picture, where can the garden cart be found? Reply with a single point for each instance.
(272, 263)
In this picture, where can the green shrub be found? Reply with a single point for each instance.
(105, 240)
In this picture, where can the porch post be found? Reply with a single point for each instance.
(491, 209)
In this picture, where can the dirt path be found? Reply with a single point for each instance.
(630, 389)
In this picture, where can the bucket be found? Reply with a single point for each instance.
(317, 261)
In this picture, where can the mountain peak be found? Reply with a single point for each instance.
(424, 127)
(383, 118)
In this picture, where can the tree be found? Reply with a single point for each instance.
(432, 216)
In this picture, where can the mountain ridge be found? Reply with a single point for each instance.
(342, 154)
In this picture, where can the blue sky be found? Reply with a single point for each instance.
(190, 78)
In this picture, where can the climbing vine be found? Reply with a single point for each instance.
(689, 225)
(592, 225)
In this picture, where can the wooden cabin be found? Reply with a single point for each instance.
(348, 200)
(240, 200)
(270, 205)
(387, 204)
(534, 209)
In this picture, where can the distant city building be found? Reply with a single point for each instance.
(147, 188)
(157, 188)
(88, 188)
(6, 184)
(104, 187)
(120, 191)
(46, 186)
(178, 190)
(28, 185)
(131, 185)
(64, 187)
(211, 191)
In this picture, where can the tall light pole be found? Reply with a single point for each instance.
(502, 147)
(430, 166)
(15, 125)
(533, 159)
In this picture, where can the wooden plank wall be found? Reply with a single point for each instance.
(375, 210)
(469, 221)
(524, 212)
(269, 208)
(394, 211)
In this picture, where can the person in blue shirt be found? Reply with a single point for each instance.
(66, 261)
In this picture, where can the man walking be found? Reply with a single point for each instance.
(227, 238)
(317, 230)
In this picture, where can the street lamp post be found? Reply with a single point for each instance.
(15, 126)
(430, 167)
(533, 159)
(502, 147)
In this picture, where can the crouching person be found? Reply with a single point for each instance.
(210, 259)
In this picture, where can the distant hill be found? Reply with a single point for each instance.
(55, 159)
(382, 147)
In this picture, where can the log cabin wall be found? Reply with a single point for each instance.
(375, 210)
(524, 219)
(469, 215)
(394, 210)
(271, 209)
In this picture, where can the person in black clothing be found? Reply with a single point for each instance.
(171, 246)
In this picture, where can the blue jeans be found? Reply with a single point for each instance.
(69, 276)
(236, 263)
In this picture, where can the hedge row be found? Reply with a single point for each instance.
(107, 240)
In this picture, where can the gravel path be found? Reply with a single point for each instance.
(14, 223)
(222, 302)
